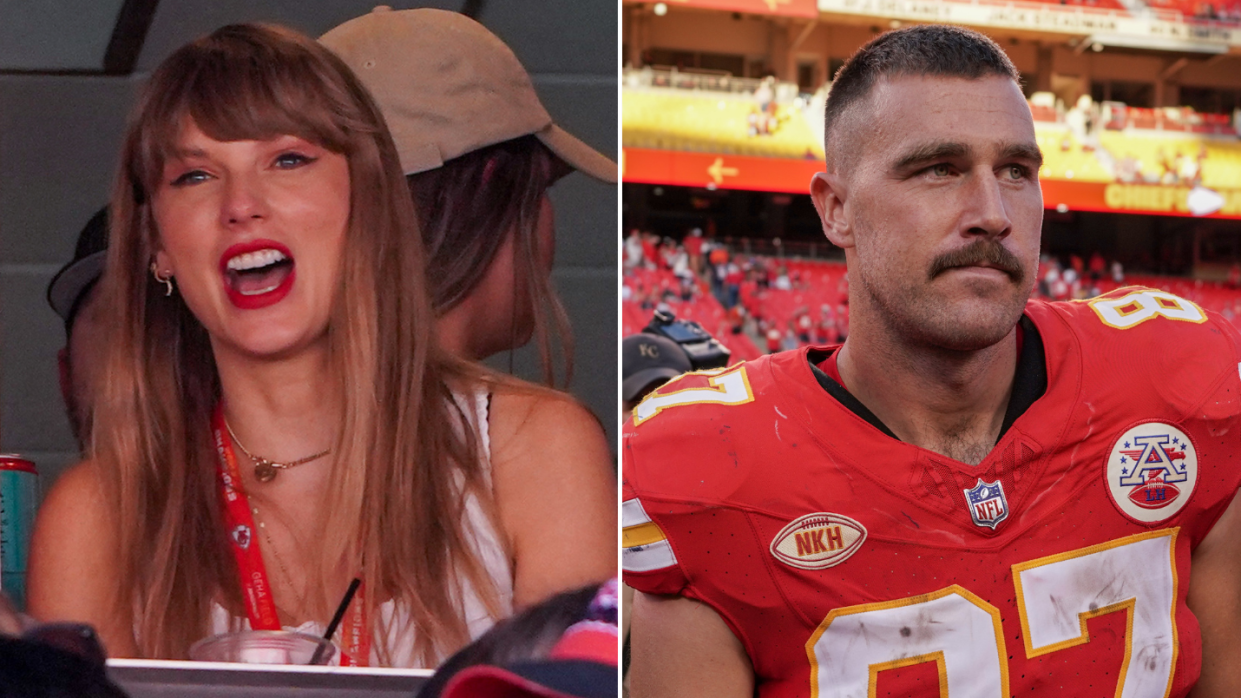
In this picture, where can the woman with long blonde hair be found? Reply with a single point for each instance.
(274, 418)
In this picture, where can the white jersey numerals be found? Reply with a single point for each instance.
(730, 387)
(1055, 596)
(962, 633)
(1133, 309)
(952, 626)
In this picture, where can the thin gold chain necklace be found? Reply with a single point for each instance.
(265, 470)
(301, 598)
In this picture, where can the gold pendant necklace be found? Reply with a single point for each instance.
(265, 470)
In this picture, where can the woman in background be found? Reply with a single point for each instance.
(274, 418)
(479, 152)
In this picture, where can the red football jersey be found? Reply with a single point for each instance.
(850, 563)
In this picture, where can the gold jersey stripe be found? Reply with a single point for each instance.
(642, 534)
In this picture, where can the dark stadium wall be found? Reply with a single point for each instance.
(61, 118)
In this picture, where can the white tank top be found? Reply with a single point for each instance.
(487, 546)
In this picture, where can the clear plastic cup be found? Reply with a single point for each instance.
(262, 647)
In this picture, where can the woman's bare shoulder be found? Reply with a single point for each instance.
(76, 505)
(73, 536)
(548, 447)
(74, 565)
(523, 413)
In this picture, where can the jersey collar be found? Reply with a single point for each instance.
(1029, 381)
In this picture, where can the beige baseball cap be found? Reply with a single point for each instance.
(448, 86)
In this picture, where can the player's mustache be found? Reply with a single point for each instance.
(980, 252)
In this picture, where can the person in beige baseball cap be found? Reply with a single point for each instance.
(479, 152)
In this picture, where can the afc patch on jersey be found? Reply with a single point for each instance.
(1151, 472)
(987, 504)
(818, 541)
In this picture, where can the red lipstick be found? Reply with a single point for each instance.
(254, 301)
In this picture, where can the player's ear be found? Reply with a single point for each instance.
(827, 191)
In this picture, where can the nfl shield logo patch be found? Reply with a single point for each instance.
(987, 504)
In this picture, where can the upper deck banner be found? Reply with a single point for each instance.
(789, 8)
(1155, 29)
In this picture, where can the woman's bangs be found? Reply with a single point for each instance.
(242, 99)
(264, 104)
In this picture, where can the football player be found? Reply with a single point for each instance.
(976, 494)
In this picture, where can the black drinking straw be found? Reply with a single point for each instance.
(340, 614)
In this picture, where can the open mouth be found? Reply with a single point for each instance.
(257, 274)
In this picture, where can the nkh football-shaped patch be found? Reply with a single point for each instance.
(818, 541)
(1151, 472)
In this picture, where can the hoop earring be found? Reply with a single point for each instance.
(165, 280)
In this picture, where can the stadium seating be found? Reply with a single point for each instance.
(1103, 6)
(1065, 157)
(717, 122)
(1181, 119)
(712, 122)
(821, 283)
(703, 309)
(818, 283)
(1224, 11)
(1221, 166)
(1043, 113)
(815, 283)
(1211, 295)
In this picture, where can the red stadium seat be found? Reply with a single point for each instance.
(820, 283)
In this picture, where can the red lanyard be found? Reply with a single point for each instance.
(260, 606)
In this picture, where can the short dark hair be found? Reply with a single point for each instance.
(933, 49)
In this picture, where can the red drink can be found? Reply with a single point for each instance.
(19, 498)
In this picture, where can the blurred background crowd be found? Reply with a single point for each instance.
(1136, 110)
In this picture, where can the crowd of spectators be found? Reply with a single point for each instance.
(778, 303)
(763, 120)
(1077, 279)
(695, 279)
(1072, 278)
(1178, 169)
(746, 300)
